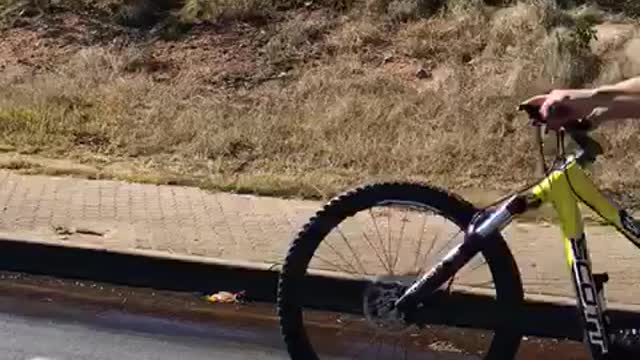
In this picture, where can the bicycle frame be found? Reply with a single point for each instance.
(564, 188)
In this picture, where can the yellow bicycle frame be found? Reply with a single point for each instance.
(568, 185)
(565, 187)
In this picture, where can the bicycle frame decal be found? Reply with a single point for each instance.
(592, 312)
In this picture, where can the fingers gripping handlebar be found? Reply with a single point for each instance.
(578, 131)
(534, 114)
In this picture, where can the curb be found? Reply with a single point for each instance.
(544, 316)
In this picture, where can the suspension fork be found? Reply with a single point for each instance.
(482, 226)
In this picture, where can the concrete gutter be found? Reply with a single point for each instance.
(543, 315)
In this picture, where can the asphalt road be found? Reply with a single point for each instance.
(52, 319)
(34, 338)
(36, 330)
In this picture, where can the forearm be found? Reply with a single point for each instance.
(627, 87)
(622, 100)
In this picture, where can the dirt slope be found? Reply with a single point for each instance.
(304, 99)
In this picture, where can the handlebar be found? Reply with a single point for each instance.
(578, 131)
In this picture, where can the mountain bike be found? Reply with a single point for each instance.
(390, 300)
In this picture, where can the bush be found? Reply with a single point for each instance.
(142, 13)
(570, 61)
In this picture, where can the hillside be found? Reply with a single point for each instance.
(302, 98)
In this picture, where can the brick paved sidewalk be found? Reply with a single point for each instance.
(187, 221)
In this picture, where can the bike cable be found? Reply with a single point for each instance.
(573, 190)
(547, 170)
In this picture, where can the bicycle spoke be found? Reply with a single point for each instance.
(441, 248)
(355, 255)
(472, 270)
(482, 263)
(444, 247)
(462, 274)
(375, 251)
(331, 264)
(432, 246)
(404, 223)
(341, 257)
(424, 222)
(375, 224)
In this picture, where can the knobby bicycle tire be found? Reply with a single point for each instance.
(505, 273)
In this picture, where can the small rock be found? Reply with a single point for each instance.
(423, 73)
(387, 58)
(225, 297)
(64, 231)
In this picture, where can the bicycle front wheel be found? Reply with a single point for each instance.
(353, 235)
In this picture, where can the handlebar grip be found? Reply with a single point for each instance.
(532, 111)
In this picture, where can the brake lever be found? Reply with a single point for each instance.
(536, 120)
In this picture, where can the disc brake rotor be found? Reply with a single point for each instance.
(379, 306)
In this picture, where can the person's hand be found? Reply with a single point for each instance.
(560, 107)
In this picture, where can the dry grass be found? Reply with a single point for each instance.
(335, 120)
(357, 36)
(432, 39)
(214, 10)
(297, 38)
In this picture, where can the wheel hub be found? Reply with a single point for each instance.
(379, 306)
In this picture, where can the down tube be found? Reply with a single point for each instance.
(556, 190)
